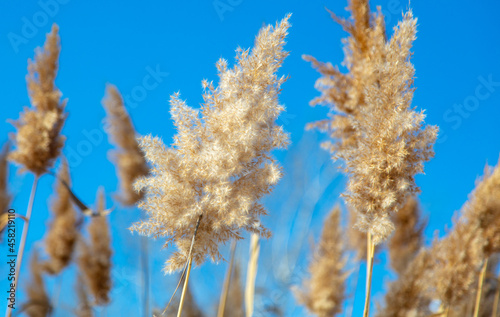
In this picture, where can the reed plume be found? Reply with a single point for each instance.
(38, 302)
(489, 289)
(374, 129)
(38, 138)
(407, 239)
(483, 207)
(63, 233)
(457, 259)
(128, 157)
(343, 93)
(191, 309)
(475, 237)
(451, 267)
(324, 293)
(95, 259)
(219, 165)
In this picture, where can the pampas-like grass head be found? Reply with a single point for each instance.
(376, 132)
(128, 157)
(220, 164)
(38, 141)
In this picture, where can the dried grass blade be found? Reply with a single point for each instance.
(227, 280)
(187, 269)
(480, 288)
(251, 274)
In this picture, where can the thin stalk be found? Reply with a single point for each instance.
(22, 243)
(495, 302)
(369, 271)
(145, 274)
(251, 274)
(480, 288)
(190, 258)
(184, 289)
(227, 280)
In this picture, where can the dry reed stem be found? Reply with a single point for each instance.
(369, 270)
(480, 288)
(251, 274)
(181, 278)
(235, 306)
(495, 302)
(189, 264)
(227, 280)
(181, 303)
(22, 242)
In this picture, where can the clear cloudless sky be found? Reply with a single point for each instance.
(456, 56)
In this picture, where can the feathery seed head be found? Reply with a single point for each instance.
(38, 138)
(380, 138)
(219, 165)
(128, 157)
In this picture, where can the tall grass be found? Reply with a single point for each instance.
(206, 190)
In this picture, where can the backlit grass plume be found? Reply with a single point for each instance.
(379, 135)
(324, 293)
(63, 234)
(343, 93)
(483, 207)
(95, 259)
(457, 259)
(219, 165)
(128, 157)
(38, 141)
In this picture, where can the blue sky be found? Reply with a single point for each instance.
(457, 79)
